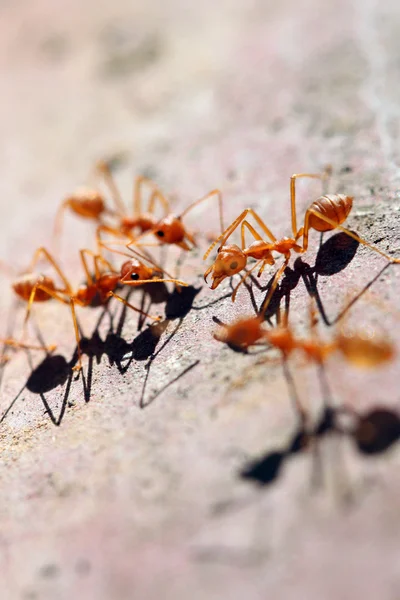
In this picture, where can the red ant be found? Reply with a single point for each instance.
(359, 350)
(33, 287)
(90, 204)
(324, 214)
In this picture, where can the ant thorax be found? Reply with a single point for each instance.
(284, 246)
(86, 294)
(260, 250)
(143, 222)
(282, 338)
(107, 282)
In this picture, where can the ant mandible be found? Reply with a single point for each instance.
(326, 213)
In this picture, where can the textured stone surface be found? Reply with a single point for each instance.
(136, 493)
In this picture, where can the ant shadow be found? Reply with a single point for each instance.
(372, 433)
(56, 371)
(178, 306)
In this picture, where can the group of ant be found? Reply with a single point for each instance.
(124, 235)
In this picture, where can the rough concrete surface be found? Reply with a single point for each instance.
(125, 482)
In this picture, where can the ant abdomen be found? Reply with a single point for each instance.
(365, 352)
(334, 206)
(107, 282)
(24, 285)
(86, 203)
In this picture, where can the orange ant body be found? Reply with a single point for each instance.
(324, 214)
(33, 287)
(90, 204)
(171, 229)
(356, 348)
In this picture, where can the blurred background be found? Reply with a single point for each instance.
(235, 94)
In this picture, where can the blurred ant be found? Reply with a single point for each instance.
(33, 287)
(359, 350)
(90, 204)
(326, 213)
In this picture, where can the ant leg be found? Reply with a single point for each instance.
(126, 303)
(135, 283)
(312, 317)
(254, 233)
(53, 263)
(157, 195)
(100, 244)
(227, 233)
(89, 278)
(137, 195)
(293, 193)
(39, 286)
(59, 219)
(103, 169)
(235, 224)
(96, 259)
(335, 225)
(278, 275)
(215, 192)
(243, 279)
(261, 223)
(72, 301)
(16, 344)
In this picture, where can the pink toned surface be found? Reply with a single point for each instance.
(127, 502)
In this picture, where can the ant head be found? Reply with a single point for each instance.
(230, 260)
(365, 352)
(133, 270)
(242, 333)
(171, 231)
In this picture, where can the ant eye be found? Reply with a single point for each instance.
(160, 233)
(233, 265)
(134, 276)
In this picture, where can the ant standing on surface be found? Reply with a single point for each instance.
(90, 204)
(326, 213)
(33, 287)
(356, 348)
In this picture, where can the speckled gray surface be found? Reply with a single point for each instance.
(136, 493)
